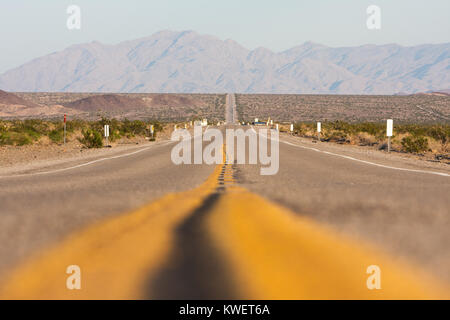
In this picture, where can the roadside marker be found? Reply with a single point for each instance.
(277, 127)
(319, 130)
(152, 130)
(390, 132)
(292, 128)
(107, 133)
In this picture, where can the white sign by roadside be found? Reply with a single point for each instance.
(106, 130)
(390, 132)
(390, 128)
(319, 127)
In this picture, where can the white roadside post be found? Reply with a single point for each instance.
(107, 134)
(292, 128)
(390, 132)
(277, 127)
(319, 130)
(152, 130)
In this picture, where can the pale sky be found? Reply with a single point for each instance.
(31, 28)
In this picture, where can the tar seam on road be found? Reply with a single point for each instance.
(195, 270)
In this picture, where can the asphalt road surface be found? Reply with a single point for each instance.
(230, 112)
(139, 226)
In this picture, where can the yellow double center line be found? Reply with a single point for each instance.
(257, 248)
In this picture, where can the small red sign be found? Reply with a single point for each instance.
(64, 118)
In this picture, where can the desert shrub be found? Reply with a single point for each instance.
(364, 139)
(22, 139)
(339, 126)
(114, 128)
(334, 136)
(127, 128)
(304, 128)
(15, 138)
(34, 128)
(372, 128)
(133, 128)
(300, 129)
(158, 126)
(416, 130)
(5, 138)
(440, 134)
(27, 131)
(91, 138)
(56, 135)
(75, 125)
(415, 144)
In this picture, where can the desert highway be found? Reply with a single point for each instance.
(139, 226)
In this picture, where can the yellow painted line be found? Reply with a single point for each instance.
(275, 254)
(117, 257)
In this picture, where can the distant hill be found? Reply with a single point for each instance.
(446, 91)
(10, 99)
(13, 106)
(435, 93)
(107, 103)
(171, 100)
(186, 62)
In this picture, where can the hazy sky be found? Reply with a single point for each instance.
(31, 28)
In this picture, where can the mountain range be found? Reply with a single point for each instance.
(187, 62)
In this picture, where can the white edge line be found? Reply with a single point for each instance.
(368, 162)
(84, 164)
(364, 161)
